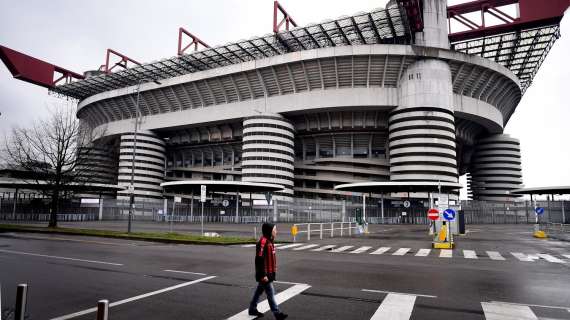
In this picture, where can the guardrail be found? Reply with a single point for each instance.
(321, 228)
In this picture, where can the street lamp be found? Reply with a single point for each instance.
(132, 185)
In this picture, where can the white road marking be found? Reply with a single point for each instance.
(411, 294)
(248, 245)
(306, 247)
(401, 252)
(524, 257)
(341, 249)
(58, 257)
(446, 253)
(567, 256)
(423, 252)
(550, 258)
(279, 298)
(503, 311)
(469, 254)
(361, 250)
(494, 255)
(278, 245)
(293, 245)
(395, 307)
(185, 272)
(142, 296)
(323, 248)
(532, 305)
(380, 250)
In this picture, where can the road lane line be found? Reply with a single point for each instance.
(401, 251)
(341, 249)
(309, 246)
(185, 272)
(395, 307)
(278, 245)
(293, 245)
(280, 297)
(494, 255)
(446, 253)
(423, 252)
(523, 257)
(502, 311)
(567, 256)
(470, 254)
(410, 294)
(532, 305)
(248, 245)
(550, 258)
(381, 250)
(361, 249)
(139, 297)
(323, 248)
(58, 257)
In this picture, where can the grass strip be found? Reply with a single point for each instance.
(168, 237)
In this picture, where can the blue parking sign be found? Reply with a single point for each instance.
(539, 210)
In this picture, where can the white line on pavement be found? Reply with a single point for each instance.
(381, 250)
(279, 298)
(249, 245)
(395, 307)
(323, 248)
(523, 257)
(278, 245)
(341, 249)
(550, 258)
(361, 250)
(567, 256)
(446, 253)
(503, 311)
(309, 246)
(423, 252)
(293, 245)
(531, 305)
(469, 254)
(401, 251)
(185, 272)
(411, 294)
(494, 255)
(57, 257)
(142, 296)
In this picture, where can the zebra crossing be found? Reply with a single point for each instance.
(401, 306)
(446, 254)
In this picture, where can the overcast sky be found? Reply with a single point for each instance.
(75, 35)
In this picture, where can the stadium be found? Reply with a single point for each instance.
(388, 95)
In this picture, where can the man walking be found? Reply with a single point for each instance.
(265, 268)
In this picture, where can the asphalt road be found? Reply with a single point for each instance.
(145, 280)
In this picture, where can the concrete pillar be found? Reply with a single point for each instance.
(149, 165)
(435, 32)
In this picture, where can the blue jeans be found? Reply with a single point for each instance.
(269, 291)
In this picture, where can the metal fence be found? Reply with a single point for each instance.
(299, 210)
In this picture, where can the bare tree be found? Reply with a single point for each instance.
(50, 149)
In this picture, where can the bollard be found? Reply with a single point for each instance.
(21, 297)
(103, 310)
(332, 229)
(254, 232)
(321, 231)
(308, 232)
(341, 228)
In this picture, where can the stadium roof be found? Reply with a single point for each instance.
(379, 26)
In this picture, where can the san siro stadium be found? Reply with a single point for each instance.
(385, 95)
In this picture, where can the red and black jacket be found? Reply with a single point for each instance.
(265, 263)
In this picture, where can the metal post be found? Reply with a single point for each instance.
(172, 213)
(321, 231)
(237, 206)
(21, 299)
(563, 214)
(255, 232)
(132, 186)
(192, 206)
(341, 228)
(343, 210)
(349, 228)
(363, 207)
(275, 211)
(100, 208)
(332, 229)
(308, 232)
(103, 310)
(202, 220)
(15, 202)
(382, 206)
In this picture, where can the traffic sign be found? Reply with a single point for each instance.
(433, 214)
(294, 230)
(178, 199)
(449, 214)
(539, 210)
(202, 193)
(225, 202)
(407, 204)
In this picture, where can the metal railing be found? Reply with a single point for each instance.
(324, 228)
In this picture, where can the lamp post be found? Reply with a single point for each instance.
(132, 185)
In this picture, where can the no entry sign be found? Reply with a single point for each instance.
(433, 214)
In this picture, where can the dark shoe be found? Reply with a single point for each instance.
(255, 313)
(281, 316)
